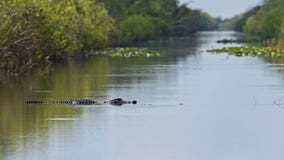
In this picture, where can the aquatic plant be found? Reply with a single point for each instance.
(128, 52)
(251, 51)
(225, 41)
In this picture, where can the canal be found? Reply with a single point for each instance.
(191, 105)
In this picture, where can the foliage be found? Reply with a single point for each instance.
(160, 11)
(188, 21)
(158, 17)
(40, 32)
(268, 22)
(238, 26)
(18, 39)
(135, 28)
(128, 52)
(242, 40)
(238, 21)
(139, 20)
(34, 33)
(229, 24)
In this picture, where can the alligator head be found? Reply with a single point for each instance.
(120, 101)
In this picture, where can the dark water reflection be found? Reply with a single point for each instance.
(227, 111)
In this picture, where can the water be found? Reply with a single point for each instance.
(192, 105)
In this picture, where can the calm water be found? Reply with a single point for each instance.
(227, 109)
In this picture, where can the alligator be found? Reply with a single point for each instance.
(70, 102)
(120, 101)
(115, 102)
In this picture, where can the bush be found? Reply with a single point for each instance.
(188, 21)
(134, 28)
(33, 32)
(268, 22)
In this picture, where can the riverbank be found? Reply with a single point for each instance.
(47, 32)
(43, 33)
(264, 21)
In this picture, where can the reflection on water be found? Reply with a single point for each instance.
(227, 110)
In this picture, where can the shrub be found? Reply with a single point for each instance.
(268, 21)
(134, 28)
(34, 31)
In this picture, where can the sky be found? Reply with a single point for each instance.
(222, 8)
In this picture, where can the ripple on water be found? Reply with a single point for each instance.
(62, 119)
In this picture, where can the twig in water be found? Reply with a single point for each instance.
(278, 102)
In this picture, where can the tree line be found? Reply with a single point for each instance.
(144, 19)
(34, 32)
(265, 21)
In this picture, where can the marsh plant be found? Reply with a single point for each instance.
(128, 52)
(268, 52)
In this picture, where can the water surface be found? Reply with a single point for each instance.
(191, 105)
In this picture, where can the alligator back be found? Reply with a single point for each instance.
(70, 102)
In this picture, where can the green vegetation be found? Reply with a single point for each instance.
(241, 40)
(139, 20)
(268, 52)
(128, 52)
(268, 22)
(237, 22)
(135, 28)
(265, 22)
(188, 21)
(238, 26)
(229, 24)
(37, 33)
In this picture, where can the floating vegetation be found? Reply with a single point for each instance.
(128, 52)
(251, 51)
(225, 41)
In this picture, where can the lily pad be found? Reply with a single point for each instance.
(128, 52)
(251, 51)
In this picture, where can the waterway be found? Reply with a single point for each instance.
(191, 105)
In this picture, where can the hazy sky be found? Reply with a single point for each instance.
(223, 8)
